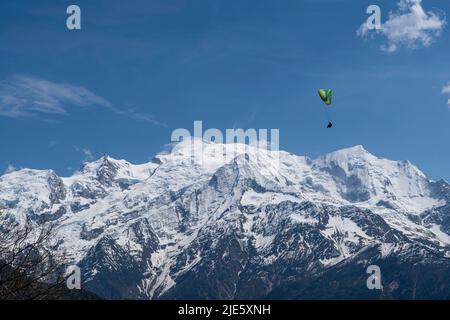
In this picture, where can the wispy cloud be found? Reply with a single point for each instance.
(135, 115)
(52, 144)
(410, 26)
(24, 96)
(446, 90)
(10, 168)
(88, 155)
(29, 96)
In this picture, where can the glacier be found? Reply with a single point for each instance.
(263, 224)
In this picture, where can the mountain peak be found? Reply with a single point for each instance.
(104, 162)
(355, 150)
(346, 155)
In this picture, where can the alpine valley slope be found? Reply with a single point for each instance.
(264, 224)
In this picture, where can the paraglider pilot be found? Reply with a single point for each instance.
(326, 96)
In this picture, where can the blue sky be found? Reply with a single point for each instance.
(138, 70)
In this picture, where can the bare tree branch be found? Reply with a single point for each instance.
(28, 269)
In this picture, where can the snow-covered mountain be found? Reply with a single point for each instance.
(262, 224)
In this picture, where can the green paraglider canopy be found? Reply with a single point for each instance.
(326, 95)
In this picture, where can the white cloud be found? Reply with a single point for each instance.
(52, 144)
(410, 26)
(27, 96)
(10, 168)
(133, 114)
(446, 90)
(24, 96)
(88, 155)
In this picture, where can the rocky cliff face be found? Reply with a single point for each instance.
(259, 225)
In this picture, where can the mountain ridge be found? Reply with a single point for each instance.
(227, 225)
